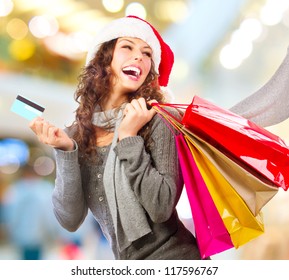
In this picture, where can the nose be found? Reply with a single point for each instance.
(139, 58)
(138, 55)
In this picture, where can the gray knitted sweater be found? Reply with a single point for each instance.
(270, 104)
(156, 180)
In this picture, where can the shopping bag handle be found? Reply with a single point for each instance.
(168, 118)
(161, 106)
(173, 105)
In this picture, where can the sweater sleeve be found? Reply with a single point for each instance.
(68, 199)
(155, 177)
(270, 104)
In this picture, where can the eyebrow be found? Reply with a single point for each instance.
(124, 39)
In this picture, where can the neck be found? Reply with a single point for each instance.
(114, 101)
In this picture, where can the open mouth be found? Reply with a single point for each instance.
(131, 71)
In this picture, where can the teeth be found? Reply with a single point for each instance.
(133, 69)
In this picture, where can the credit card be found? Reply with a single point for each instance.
(26, 108)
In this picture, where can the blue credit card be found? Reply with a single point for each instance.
(26, 108)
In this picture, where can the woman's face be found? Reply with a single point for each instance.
(131, 64)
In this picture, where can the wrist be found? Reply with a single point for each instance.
(125, 135)
(70, 146)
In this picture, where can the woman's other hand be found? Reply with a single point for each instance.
(51, 135)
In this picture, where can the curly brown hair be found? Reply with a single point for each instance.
(94, 84)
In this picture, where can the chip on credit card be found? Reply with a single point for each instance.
(26, 108)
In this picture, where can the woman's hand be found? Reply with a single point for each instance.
(136, 115)
(51, 135)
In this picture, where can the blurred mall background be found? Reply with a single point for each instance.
(224, 51)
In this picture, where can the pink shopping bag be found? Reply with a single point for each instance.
(211, 233)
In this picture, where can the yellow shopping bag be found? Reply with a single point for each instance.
(240, 222)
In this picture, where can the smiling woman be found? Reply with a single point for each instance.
(131, 64)
(118, 159)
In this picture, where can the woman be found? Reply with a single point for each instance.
(119, 159)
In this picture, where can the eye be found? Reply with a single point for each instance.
(127, 47)
(148, 54)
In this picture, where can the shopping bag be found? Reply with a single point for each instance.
(240, 222)
(239, 138)
(211, 233)
(254, 190)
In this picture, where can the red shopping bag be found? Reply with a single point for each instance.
(240, 139)
(211, 233)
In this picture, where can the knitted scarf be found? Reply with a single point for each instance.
(128, 215)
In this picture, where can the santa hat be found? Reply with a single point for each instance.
(132, 26)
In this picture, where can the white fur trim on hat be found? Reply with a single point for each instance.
(127, 27)
(168, 94)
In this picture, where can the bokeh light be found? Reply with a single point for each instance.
(21, 49)
(273, 11)
(251, 28)
(6, 7)
(113, 6)
(72, 46)
(174, 11)
(17, 29)
(43, 26)
(136, 9)
(44, 166)
(13, 154)
(228, 57)
(240, 46)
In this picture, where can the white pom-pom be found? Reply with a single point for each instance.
(168, 94)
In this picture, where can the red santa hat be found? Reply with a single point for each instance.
(133, 26)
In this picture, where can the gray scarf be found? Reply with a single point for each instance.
(128, 215)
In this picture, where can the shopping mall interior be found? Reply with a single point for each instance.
(224, 51)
